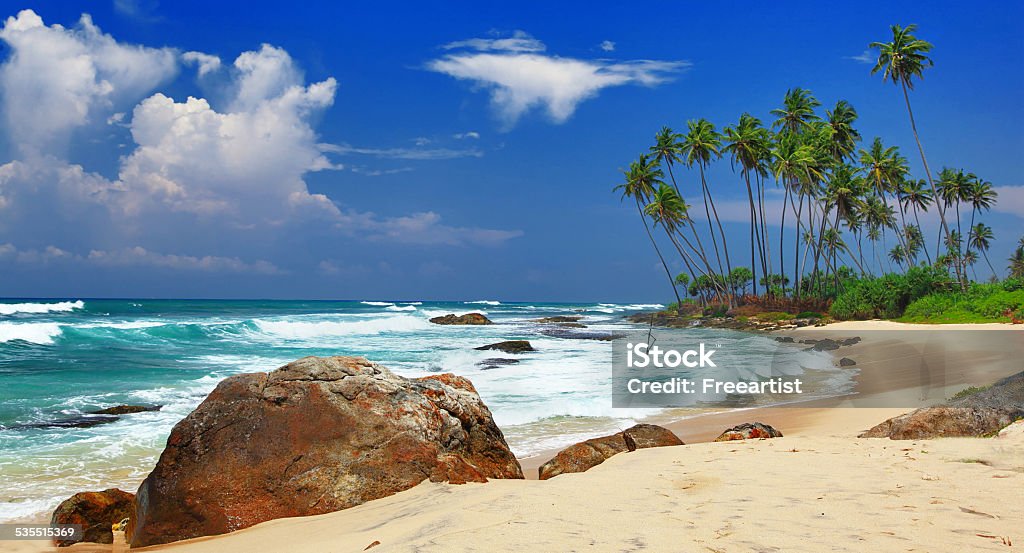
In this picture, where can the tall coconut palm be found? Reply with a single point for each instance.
(954, 188)
(747, 142)
(918, 198)
(701, 144)
(981, 195)
(1016, 266)
(901, 61)
(981, 239)
(790, 159)
(844, 137)
(797, 110)
(666, 151)
(642, 177)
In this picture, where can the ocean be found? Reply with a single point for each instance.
(62, 358)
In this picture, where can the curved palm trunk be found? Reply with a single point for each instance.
(991, 268)
(782, 239)
(928, 173)
(924, 243)
(754, 234)
(672, 281)
(766, 250)
(708, 198)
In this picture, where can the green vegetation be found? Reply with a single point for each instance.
(969, 391)
(836, 194)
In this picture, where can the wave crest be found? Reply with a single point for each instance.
(58, 307)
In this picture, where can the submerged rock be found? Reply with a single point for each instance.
(467, 319)
(586, 455)
(981, 414)
(96, 512)
(509, 346)
(80, 421)
(560, 319)
(577, 335)
(315, 436)
(749, 431)
(126, 409)
(496, 362)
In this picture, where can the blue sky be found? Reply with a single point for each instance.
(407, 152)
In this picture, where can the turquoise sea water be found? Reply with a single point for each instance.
(59, 359)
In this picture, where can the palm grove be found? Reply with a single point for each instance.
(853, 205)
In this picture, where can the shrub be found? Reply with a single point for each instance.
(775, 316)
(808, 315)
(888, 296)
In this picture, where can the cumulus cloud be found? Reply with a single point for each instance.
(607, 46)
(426, 229)
(522, 78)
(58, 79)
(464, 135)
(137, 257)
(1010, 200)
(206, 63)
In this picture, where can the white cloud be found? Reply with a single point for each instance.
(1010, 200)
(205, 62)
(608, 46)
(426, 228)
(464, 135)
(402, 153)
(380, 172)
(139, 256)
(866, 57)
(519, 42)
(265, 74)
(57, 79)
(523, 79)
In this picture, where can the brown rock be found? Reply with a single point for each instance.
(937, 422)
(983, 413)
(467, 319)
(509, 346)
(96, 512)
(314, 436)
(749, 431)
(586, 455)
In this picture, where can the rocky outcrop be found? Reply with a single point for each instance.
(126, 409)
(983, 413)
(560, 319)
(496, 362)
(586, 455)
(467, 319)
(314, 436)
(96, 512)
(828, 344)
(509, 346)
(847, 362)
(749, 431)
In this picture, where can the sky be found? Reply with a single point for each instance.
(403, 151)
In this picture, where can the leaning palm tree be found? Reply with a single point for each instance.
(901, 61)
(981, 239)
(701, 144)
(642, 177)
(748, 144)
(666, 151)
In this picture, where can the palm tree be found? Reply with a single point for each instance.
(844, 137)
(791, 156)
(918, 198)
(981, 195)
(1016, 267)
(954, 189)
(701, 144)
(641, 178)
(981, 239)
(797, 111)
(902, 60)
(666, 151)
(748, 144)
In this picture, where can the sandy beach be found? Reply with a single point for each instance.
(818, 488)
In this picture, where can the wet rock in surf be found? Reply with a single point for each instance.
(126, 409)
(560, 319)
(509, 346)
(96, 512)
(81, 421)
(495, 363)
(577, 335)
(588, 454)
(749, 431)
(467, 319)
(847, 362)
(315, 436)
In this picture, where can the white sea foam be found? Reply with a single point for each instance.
(300, 330)
(484, 302)
(401, 308)
(126, 325)
(37, 333)
(28, 509)
(377, 303)
(412, 302)
(61, 306)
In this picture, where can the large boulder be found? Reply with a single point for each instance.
(586, 455)
(314, 436)
(979, 414)
(749, 431)
(509, 346)
(96, 512)
(467, 319)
